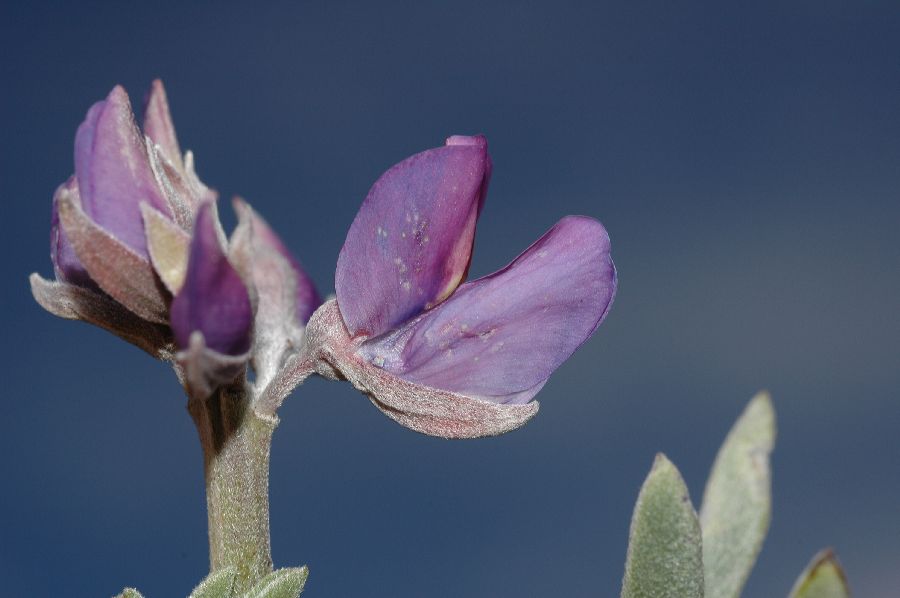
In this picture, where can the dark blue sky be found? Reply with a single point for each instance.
(745, 159)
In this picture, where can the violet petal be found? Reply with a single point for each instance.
(418, 407)
(213, 299)
(158, 124)
(113, 171)
(500, 337)
(411, 242)
(307, 298)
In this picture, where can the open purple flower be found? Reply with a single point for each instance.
(438, 356)
(123, 228)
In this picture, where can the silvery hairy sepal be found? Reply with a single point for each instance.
(437, 355)
(138, 249)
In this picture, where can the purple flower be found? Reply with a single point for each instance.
(213, 300)
(112, 166)
(410, 244)
(138, 249)
(444, 358)
(99, 239)
(211, 314)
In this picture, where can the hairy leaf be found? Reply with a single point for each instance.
(737, 501)
(218, 584)
(283, 583)
(664, 548)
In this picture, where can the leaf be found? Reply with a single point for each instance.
(130, 593)
(218, 584)
(283, 583)
(664, 547)
(736, 506)
(823, 578)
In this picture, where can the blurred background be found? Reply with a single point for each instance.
(745, 160)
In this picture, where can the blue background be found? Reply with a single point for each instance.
(745, 159)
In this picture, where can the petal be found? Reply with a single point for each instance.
(277, 330)
(264, 238)
(124, 275)
(500, 337)
(180, 198)
(113, 171)
(168, 246)
(199, 191)
(213, 299)
(410, 244)
(66, 264)
(420, 408)
(478, 141)
(158, 124)
(285, 296)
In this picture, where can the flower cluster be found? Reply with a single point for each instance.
(138, 249)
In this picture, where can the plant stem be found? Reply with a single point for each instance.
(236, 443)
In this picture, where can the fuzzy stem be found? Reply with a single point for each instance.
(236, 443)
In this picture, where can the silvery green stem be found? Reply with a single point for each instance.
(236, 443)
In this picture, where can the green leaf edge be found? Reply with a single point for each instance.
(666, 574)
(821, 565)
(727, 564)
(218, 584)
(283, 583)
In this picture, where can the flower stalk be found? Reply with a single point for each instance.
(236, 442)
(138, 248)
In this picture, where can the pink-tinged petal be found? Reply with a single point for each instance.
(333, 354)
(213, 299)
(410, 244)
(158, 124)
(113, 171)
(66, 264)
(478, 141)
(307, 298)
(500, 337)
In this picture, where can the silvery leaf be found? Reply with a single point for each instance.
(737, 501)
(218, 584)
(283, 583)
(664, 546)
